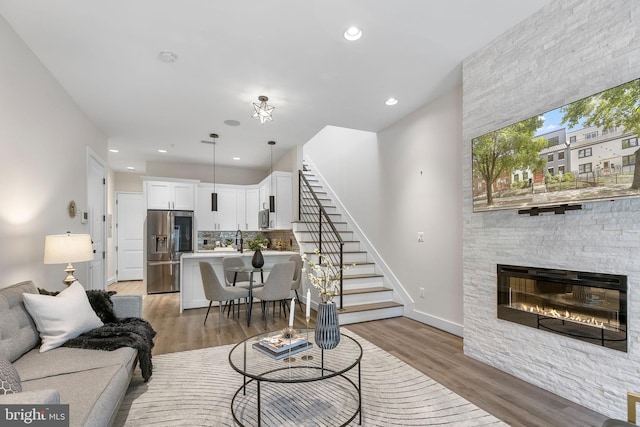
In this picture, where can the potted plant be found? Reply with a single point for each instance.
(325, 277)
(257, 244)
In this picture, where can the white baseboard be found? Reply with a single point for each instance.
(436, 322)
(112, 280)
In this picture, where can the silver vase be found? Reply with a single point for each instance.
(327, 326)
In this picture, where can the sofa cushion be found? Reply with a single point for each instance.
(9, 377)
(93, 395)
(63, 360)
(18, 333)
(61, 317)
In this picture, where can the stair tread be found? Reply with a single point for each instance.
(315, 222)
(372, 306)
(366, 290)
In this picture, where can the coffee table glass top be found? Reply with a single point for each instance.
(311, 364)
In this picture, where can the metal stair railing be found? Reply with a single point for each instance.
(321, 228)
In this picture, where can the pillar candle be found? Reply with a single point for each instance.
(293, 306)
(308, 303)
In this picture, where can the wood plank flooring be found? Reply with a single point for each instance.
(431, 351)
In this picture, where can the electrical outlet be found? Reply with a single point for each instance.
(421, 292)
(420, 236)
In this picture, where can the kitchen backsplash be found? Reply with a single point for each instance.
(278, 239)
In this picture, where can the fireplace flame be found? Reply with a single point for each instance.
(577, 318)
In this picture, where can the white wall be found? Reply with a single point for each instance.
(204, 173)
(43, 138)
(568, 50)
(405, 180)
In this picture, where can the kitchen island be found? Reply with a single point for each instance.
(191, 291)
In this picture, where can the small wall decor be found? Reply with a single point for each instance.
(72, 209)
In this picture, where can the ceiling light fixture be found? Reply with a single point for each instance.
(160, 150)
(131, 168)
(272, 198)
(236, 158)
(391, 101)
(263, 110)
(232, 122)
(168, 57)
(353, 33)
(113, 150)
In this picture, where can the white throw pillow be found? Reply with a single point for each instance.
(62, 317)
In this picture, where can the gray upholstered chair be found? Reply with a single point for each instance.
(277, 287)
(241, 278)
(214, 291)
(297, 276)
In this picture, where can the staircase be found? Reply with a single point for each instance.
(365, 296)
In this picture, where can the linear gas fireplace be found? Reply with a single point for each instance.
(591, 307)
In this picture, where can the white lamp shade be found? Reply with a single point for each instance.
(67, 248)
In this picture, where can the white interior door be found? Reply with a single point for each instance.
(130, 227)
(96, 208)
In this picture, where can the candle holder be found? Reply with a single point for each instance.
(307, 356)
(288, 333)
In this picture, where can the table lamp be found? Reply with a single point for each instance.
(67, 248)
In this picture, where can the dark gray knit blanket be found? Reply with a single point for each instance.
(128, 332)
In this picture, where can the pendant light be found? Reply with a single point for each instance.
(272, 198)
(214, 195)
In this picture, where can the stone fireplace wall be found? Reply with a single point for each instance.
(568, 50)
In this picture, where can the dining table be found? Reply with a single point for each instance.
(250, 270)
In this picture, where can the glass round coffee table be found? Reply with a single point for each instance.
(309, 387)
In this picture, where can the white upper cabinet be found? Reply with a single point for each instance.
(171, 195)
(252, 207)
(283, 192)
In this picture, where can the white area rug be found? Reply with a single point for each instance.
(195, 388)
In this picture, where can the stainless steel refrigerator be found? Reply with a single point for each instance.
(169, 235)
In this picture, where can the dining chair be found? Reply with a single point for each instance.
(236, 278)
(214, 291)
(277, 287)
(297, 276)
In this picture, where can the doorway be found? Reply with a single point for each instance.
(129, 235)
(96, 208)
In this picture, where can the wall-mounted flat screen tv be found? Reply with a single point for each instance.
(586, 150)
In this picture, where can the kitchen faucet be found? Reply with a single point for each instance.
(241, 241)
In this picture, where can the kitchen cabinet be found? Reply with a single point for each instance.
(252, 207)
(283, 191)
(237, 208)
(172, 195)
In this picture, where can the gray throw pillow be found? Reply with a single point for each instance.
(9, 378)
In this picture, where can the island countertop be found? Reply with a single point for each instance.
(191, 291)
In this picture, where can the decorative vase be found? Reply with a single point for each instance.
(258, 260)
(327, 326)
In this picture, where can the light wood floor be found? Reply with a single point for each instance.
(431, 351)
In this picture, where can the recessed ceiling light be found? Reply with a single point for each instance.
(113, 150)
(236, 158)
(232, 123)
(166, 56)
(161, 150)
(131, 168)
(391, 101)
(353, 33)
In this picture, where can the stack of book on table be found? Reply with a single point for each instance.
(279, 346)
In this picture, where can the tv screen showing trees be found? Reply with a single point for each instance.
(586, 150)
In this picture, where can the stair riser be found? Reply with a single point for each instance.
(365, 316)
(332, 216)
(364, 282)
(348, 246)
(366, 298)
(309, 235)
(359, 269)
(328, 209)
(301, 227)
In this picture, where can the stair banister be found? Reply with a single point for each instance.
(322, 214)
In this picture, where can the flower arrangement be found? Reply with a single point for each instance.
(258, 243)
(324, 276)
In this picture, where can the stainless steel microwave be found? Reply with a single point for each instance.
(263, 218)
